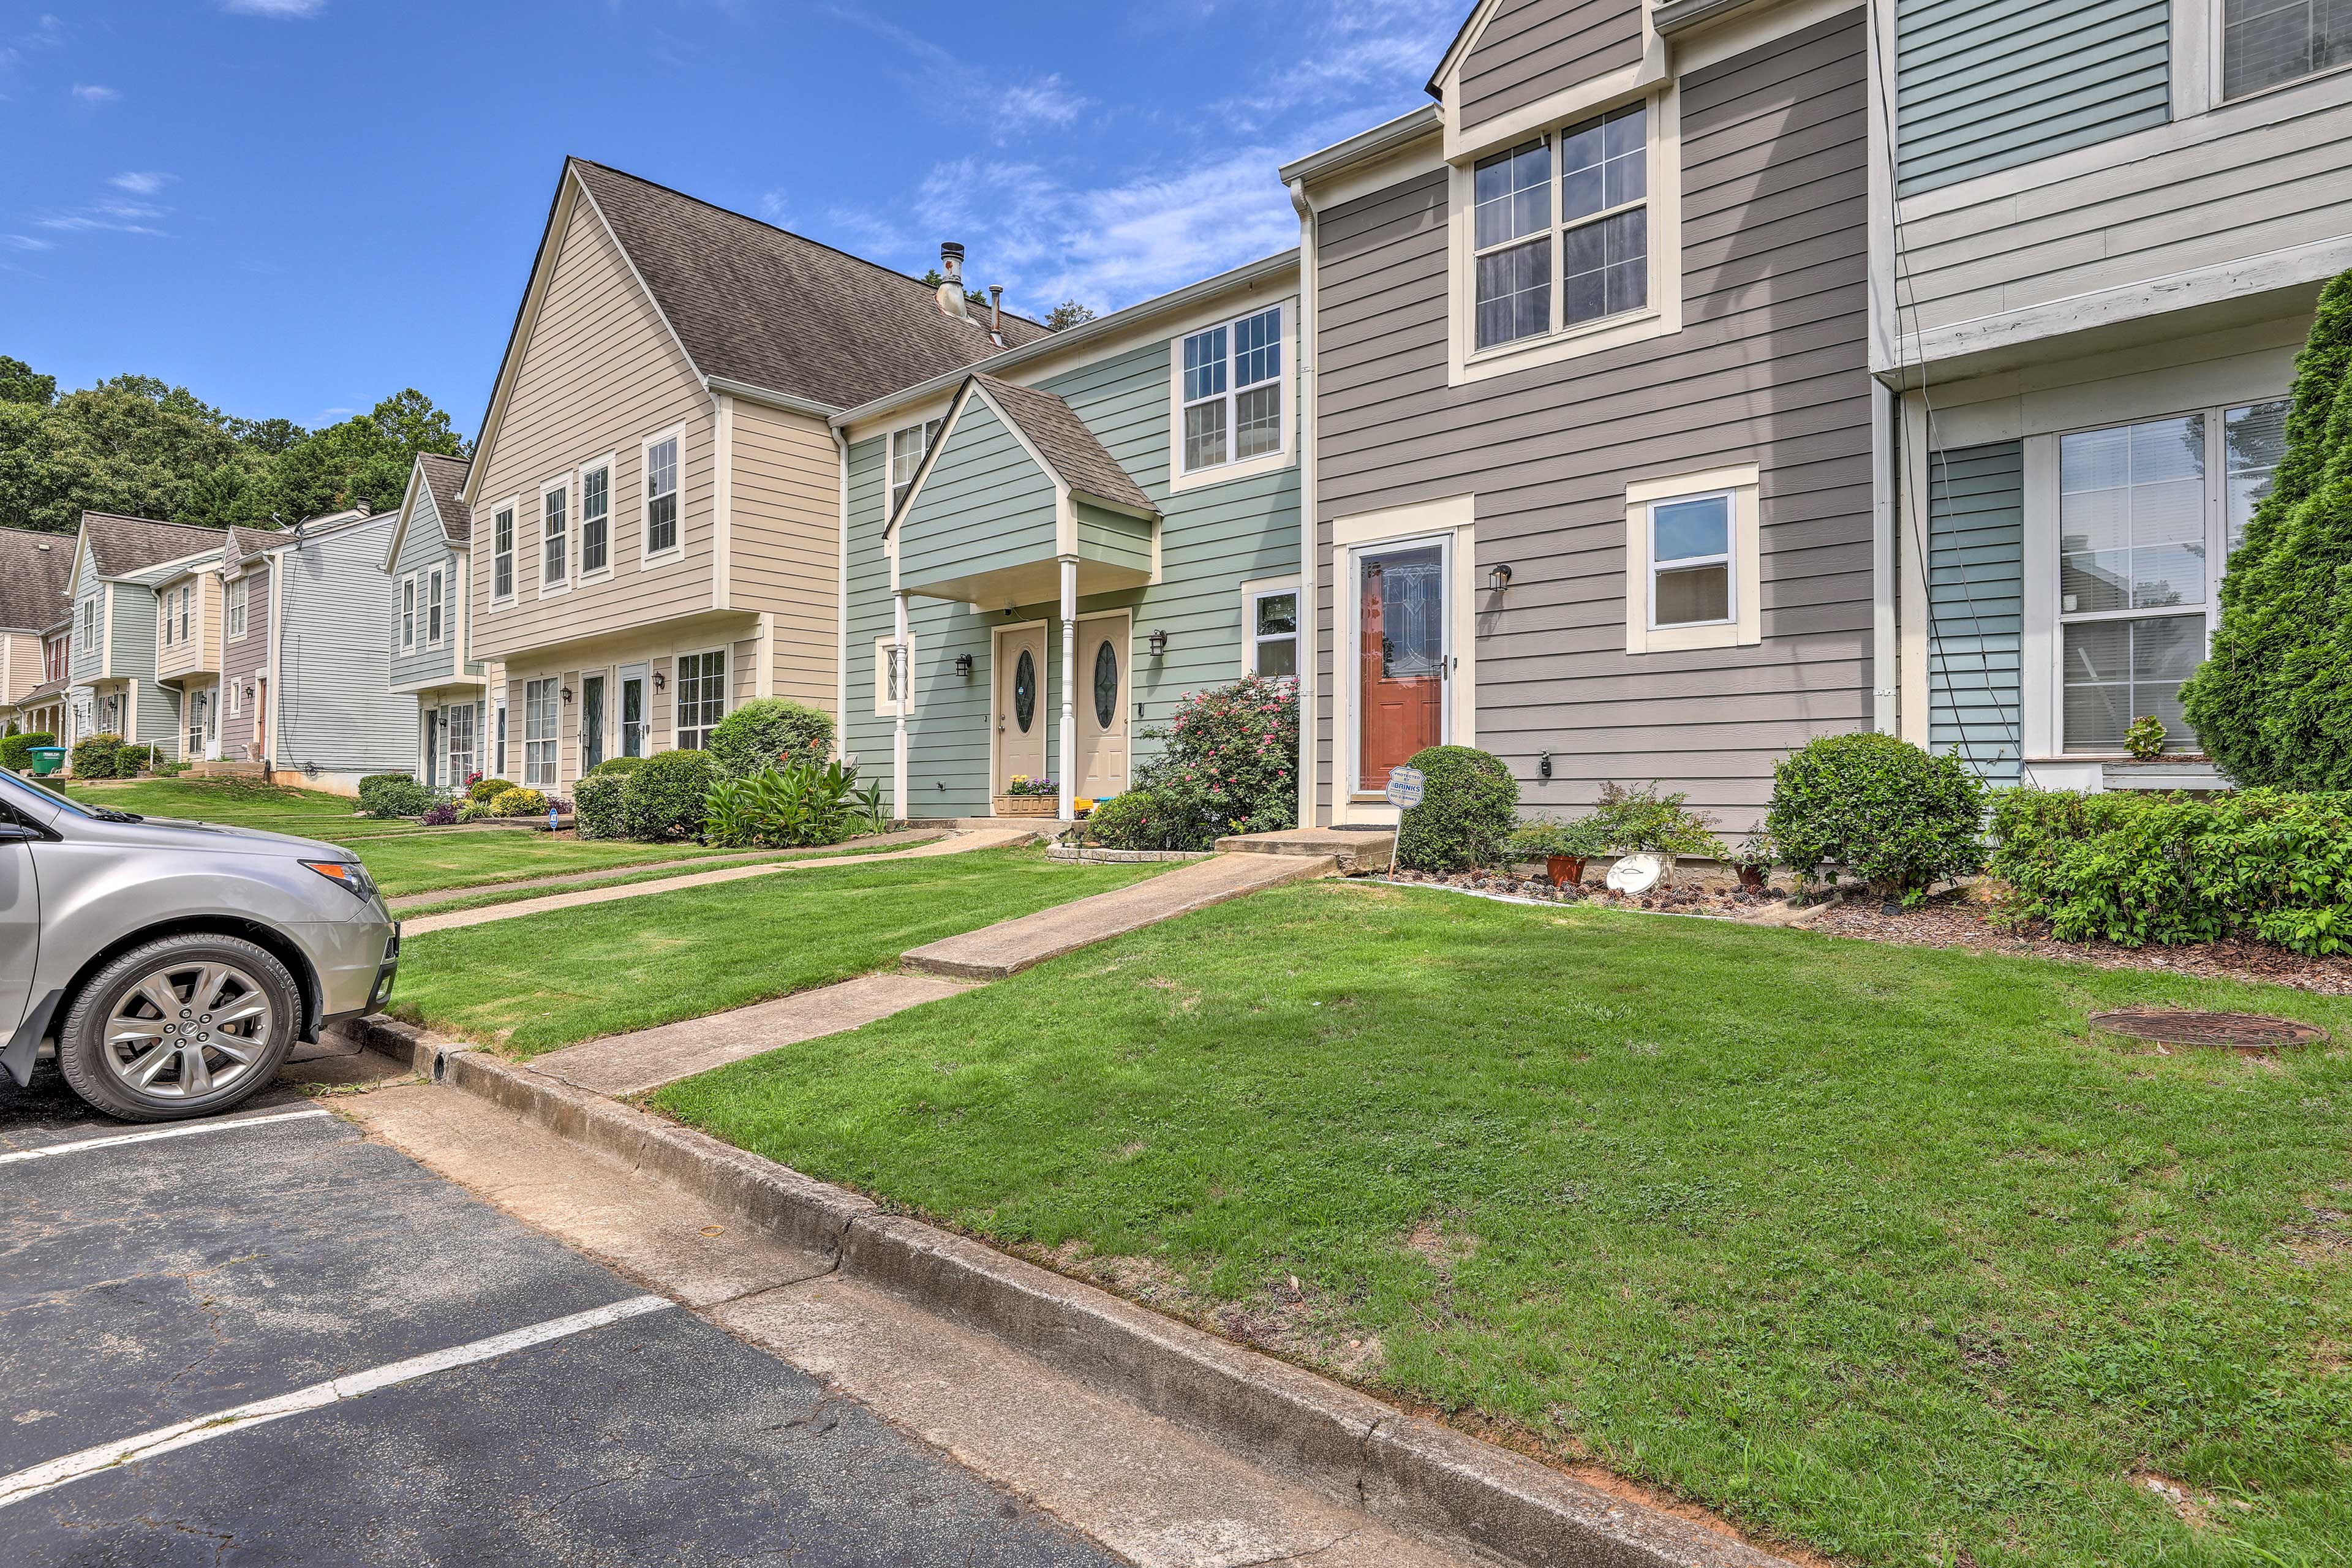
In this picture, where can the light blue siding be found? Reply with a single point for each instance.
(985, 505)
(1990, 84)
(422, 548)
(336, 708)
(82, 664)
(1976, 532)
(134, 636)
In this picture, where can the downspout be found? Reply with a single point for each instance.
(1309, 607)
(840, 609)
(1069, 746)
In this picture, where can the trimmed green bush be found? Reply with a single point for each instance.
(664, 799)
(393, 794)
(515, 801)
(93, 757)
(1139, 819)
(2135, 867)
(1468, 808)
(129, 761)
(613, 767)
(768, 732)
(2274, 704)
(16, 750)
(487, 789)
(596, 809)
(1896, 817)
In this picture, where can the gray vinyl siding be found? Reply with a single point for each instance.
(1214, 538)
(423, 547)
(1533, 49)
(1990, 84)
(1769, 368)
(985, 504)
(336, 707)
(83, 664)
(243, 660)
(157, 718)
(1976, 584)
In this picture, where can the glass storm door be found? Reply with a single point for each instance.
(632, 710)
(592, 721)
(1021, 705)
(432, 748)
(199, 704)
(1102, 707)
(1401, 656)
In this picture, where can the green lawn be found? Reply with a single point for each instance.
(537, 982)
(1873, 1248)
(461, 900)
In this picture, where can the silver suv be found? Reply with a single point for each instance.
(175, 962)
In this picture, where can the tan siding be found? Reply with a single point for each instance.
(1534, 49)
(784, 548)
(599, 373)
(1769, 368)
(241, 661)
(658, 649)
(20, 664)
(200, 654)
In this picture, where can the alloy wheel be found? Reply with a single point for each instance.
(187, 1030)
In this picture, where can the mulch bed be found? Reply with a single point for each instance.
(1961, 919)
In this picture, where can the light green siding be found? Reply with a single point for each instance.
(1976, 545)
(1990, 84)
(985, 505)
(1114, 537)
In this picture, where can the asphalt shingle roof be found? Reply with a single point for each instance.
(755, 304)
(1063, 438)
(33, 571)
(445, 478)
(121, 545)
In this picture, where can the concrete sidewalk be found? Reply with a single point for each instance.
(957, 844)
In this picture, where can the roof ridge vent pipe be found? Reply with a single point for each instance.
(995, 318)
(951, 300)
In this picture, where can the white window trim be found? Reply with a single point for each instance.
(890, 458)
(435, 598)
(1744, 628)
(883, 708)
(649, 559)
(555, 740)
(163, 632)
(405, 610)
(512, 507)
(1283, 456)
(611, 463)
(559, 484)
(2198, 31)
(1252, 591)
(234, 618)
(1468, 362)
(677, 692)
(1453, 520)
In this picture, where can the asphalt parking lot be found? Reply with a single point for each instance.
(270, 1341)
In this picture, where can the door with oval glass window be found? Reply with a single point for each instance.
(1103, 646)
(1021, 709)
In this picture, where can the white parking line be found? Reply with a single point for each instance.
(183, 1131)
(55, 1473)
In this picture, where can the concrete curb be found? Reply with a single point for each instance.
(1398, 1467)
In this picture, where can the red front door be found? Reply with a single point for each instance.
(1400, 657)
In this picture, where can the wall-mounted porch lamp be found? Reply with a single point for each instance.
(1158, 641)
(1499, 578)
(963, 666)
(567, 694)
(661, 682)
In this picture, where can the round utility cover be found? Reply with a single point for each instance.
(2241, 1031)
(1636, 873)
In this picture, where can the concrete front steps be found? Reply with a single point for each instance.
(1359, 852)
(221, 768)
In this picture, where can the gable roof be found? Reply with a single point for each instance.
(33, 571)
(119, 545)
(445, 477)
(759, 306)
(1066, 443)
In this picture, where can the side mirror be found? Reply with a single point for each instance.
(18, 833)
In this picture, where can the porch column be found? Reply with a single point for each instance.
(906, 679)
(1069, 685)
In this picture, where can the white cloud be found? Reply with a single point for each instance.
(27, 242)
(1044, 104)
(773, 208)
(105, 215)
(141, 183)
(89, 92)
(284, 10)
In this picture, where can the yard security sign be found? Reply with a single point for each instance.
(1405, 787)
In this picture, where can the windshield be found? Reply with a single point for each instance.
(51, 798)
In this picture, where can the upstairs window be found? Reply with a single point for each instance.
(1513, 244)
(503, 554)
(907, 449)
(595, 518)
(407, 614)
(433, 607)
(2267, 42)
(86, 628)
(661, 495)
(187, 605)
(1601, 236)
(555, 527)
(1231, 392)
(237, 610)
(701, 696)
(168, 604)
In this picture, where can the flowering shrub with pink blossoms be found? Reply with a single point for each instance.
(1228, 763)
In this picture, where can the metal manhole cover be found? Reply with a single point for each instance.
(2241, 1031)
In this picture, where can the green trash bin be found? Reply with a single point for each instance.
(46, 760)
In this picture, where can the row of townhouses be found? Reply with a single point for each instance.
(1684, 379)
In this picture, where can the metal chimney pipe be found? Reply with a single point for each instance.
(951, 300)
(996, 313)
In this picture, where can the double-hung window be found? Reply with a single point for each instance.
(433, 591)
(1537, 274)
(1274, 632)
(503, 554)
(661, 495)
(2267, 42)
(167, 602)
(85, 631)
(555, 527)
(538, 732)
(1694, 558)
(1690, 562)
(2146, 512)
(595, 518)
(907, 449)
(1231, 392)
(237, 610)
(701, 696)
(407, 614)
(187, 605)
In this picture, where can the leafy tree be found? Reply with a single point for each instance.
(20, 382)
(1068, 315)
(2272, 705)
(364, 460)
(130, 445)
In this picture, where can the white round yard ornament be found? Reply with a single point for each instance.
(1636, 873)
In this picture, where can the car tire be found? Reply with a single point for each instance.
(234, 997)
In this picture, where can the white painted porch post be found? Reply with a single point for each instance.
(905, 675)
(1069, 685)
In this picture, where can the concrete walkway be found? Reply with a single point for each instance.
(958, 844)
(636, 868)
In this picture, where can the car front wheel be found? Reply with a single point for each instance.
(186, 1025)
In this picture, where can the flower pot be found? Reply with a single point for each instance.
(1751, 877)
(1566, 871)
(1028, 805)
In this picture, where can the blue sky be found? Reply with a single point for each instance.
(296, 206)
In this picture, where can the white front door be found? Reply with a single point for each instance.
(1020, 705)
(1103, 651)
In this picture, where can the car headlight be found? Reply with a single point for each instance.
(349, 874)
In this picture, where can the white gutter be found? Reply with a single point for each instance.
(1385, 137)
(841, 611)
(1310, 619)
(773, 399)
